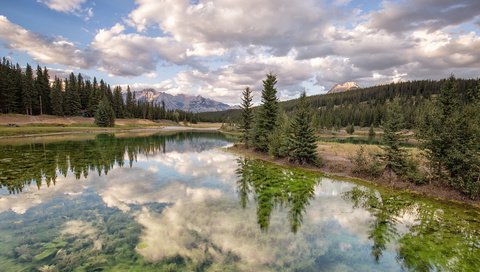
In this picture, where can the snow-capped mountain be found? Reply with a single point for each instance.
(347, 86)
(181, 101)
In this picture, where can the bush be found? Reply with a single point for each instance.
(367, 164)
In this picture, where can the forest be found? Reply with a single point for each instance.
(363, 107)
(24, 91)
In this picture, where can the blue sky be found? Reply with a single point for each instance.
(217, 48)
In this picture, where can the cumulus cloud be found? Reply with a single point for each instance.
(134, 54)
(225, 46)
(63, 5)
(57, 50)
(277, 24)
(428, 15)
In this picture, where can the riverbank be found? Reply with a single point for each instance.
(336, 158)
(17, 125)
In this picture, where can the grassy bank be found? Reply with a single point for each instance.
(17, 125)
(337, 163)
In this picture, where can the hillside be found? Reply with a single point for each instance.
(362, 106)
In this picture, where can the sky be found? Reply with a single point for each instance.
(217, 48)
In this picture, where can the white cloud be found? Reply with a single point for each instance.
(46, 50)
(65, 6)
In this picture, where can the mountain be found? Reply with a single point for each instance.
(347, 86)
(181, 101)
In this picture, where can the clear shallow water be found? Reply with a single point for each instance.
(178, 203)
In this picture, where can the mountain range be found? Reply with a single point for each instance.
(183, 102)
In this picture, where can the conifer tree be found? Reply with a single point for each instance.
(93, 98)
(72, 97)
(130, 104)
(104, 116)
(28, 91)
(394, 155)
(246, 123)
(47, 104)
(118, 105)
(267, 114)
(302, 140)
(56, 97)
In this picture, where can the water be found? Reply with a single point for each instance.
(180, 203)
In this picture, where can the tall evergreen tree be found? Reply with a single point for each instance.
(47, 104)
(56, 97)
(72, 97)
(267, 114)
(105, 116)
(28, 91)
(118, 105)
(246, 123)
(130, 104)
(302, 141)
(394, 155)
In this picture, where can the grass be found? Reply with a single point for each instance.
(33, 129)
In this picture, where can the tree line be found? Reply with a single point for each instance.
(30, 92)
(363, 107)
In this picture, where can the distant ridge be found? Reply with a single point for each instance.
(181, 101)
(347, 86)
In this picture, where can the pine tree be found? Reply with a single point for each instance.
(267, 114)
(246, 122)
(395, 156)
(130, 104)
(28, 91)
(72, 97)
(118, 105)
(56, 97)
(302, 141)
(104, 116)
(93, 98)
(47, 103)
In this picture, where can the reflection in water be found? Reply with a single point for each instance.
(176, 203)
(22, 165)
(435, 239)
(275, 187)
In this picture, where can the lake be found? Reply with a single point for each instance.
(179, 202)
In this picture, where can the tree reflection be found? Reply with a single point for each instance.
(435, 239)
(272, 187)
(36, 163)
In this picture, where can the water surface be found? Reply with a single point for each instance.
(178, 202)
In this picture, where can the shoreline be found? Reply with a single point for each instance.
(432, 191)
(89, 130)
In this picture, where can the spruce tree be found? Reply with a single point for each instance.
(118, 105)
(47, 104)
(130, 104)
(302, 140)
(104, 116)
(267, 114)
(56, 97)
(72, 97)
(246, 122)
(394, 155)
(28, 91)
